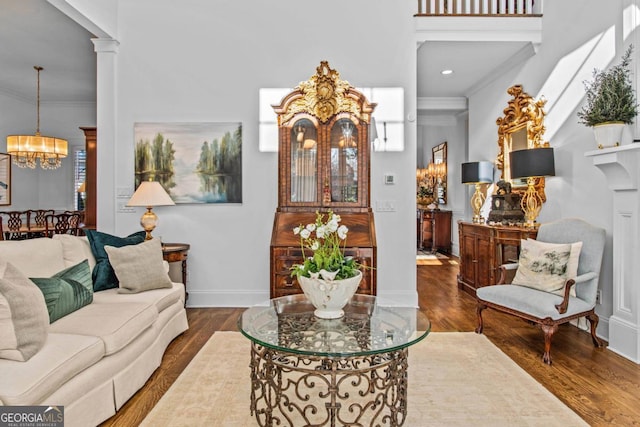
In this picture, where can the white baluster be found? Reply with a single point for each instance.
(485, 7)
(528, 7)
(520, 7)
(441, 7)
(511, 7)
(458, 7)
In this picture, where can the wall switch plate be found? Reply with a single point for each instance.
(385, 205)
(599, 296)
(389, 178)
(123, 208)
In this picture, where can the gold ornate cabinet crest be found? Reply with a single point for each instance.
(324, 95)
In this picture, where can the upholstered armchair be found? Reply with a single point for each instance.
(548, 293)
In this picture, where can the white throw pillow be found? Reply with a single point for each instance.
(24, 319)
(139, 267)
(546, 266)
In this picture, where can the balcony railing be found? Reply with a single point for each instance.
(479, 8)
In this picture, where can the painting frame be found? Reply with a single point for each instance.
(195, 162)
(5, 179)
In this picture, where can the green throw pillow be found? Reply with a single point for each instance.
(103, 275)
(67, 291)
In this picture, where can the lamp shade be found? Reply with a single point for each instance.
(477, 172)
(150, 193)
(532, 162)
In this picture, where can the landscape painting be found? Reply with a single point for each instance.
(194, 162)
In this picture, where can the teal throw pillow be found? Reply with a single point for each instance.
(103, 275)
(66, 291)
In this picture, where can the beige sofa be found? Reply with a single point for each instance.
(97, 357)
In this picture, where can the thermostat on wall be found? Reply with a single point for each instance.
(389, 178)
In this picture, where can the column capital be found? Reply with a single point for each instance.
(102, 45)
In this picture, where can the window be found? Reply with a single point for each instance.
(79, 176)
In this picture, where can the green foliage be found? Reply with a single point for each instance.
(327, 241)
(610, 96)
(154, 160)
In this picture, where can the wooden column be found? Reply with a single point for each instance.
(90, 136)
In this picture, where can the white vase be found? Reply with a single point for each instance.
(608, 134)
(329, 296)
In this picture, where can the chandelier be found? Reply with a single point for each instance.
(25, 149)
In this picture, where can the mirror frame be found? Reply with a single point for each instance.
(522, 112)
(435, 151)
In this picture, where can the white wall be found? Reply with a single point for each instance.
(575, 41)
(197, 61)
(37, 188)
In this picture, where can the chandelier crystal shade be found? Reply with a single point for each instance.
(26, 149)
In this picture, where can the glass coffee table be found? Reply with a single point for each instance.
(348, 371)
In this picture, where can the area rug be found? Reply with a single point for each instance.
(455, 379)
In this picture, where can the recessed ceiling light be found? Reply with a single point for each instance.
(446, 72)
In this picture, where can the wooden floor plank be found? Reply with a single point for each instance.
(599, 385)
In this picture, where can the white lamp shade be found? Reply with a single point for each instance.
(150, 193)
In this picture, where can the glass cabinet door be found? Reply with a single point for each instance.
(304, 162)
(344, 161)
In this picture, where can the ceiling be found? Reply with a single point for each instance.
(34, 32)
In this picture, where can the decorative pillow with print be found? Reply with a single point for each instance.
(543, 266)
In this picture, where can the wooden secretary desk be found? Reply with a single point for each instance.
(323, 164)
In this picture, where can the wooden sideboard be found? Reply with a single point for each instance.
(434, 230)
(484, 248)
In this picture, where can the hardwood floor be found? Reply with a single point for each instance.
(600, 386)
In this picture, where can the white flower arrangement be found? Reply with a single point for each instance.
(326, 241)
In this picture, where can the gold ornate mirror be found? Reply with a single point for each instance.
(521, 127)
(439, 159)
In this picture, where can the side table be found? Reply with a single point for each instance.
(177, 252)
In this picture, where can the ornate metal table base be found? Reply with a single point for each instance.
(293, 389)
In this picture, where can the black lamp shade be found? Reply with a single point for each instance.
(532, 162)
(475, 172)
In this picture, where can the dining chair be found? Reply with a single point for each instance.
(62, 223)
(16, 227)
(36, 221)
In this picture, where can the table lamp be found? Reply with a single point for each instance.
(531, 164)
(477, 173)
(150, 194)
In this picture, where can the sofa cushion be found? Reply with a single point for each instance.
(75, 249)
(139, 267)
(62, 357)
(116, 324)
(66, 291)
(40, 257)
(103, 275)
(24, 320)
(161, 298)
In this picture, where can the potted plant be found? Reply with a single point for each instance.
(327, 277)
(610, 102)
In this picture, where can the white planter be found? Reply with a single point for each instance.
(608, 134)
(329, 296)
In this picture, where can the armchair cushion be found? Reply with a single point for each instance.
(536, 303)
(547, 266)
